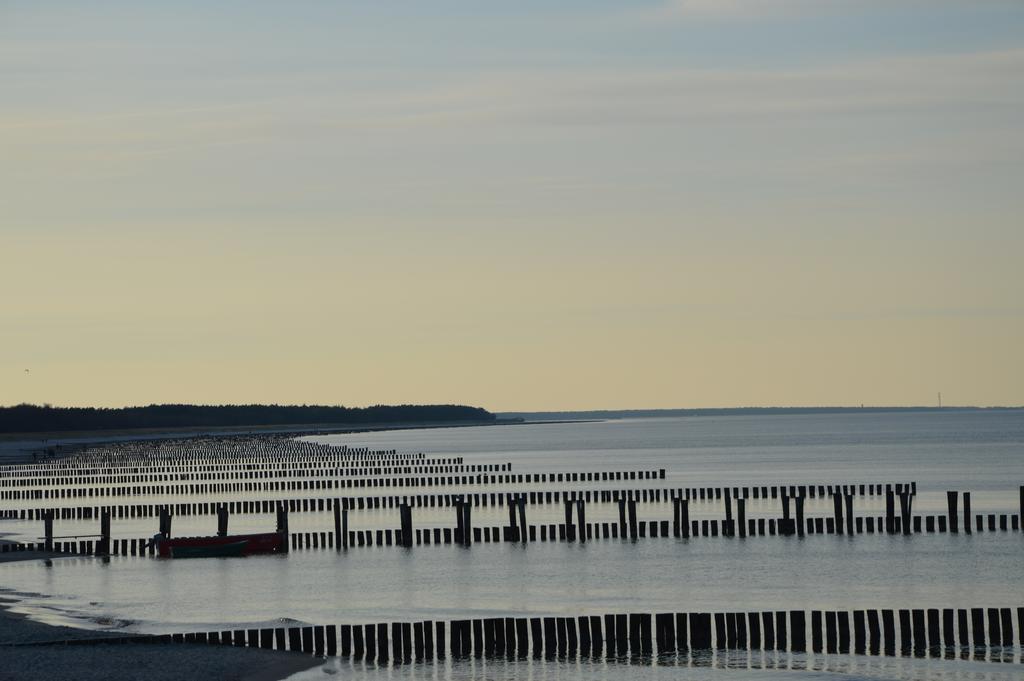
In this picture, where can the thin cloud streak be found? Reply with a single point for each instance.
(643, 96)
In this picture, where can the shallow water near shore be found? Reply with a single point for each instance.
(981, 452)
(734, 667)
(382, 584)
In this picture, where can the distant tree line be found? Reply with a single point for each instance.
(25, 418)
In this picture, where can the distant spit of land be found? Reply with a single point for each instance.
(30, 418)
(725, 411)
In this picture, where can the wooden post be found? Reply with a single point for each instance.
(570, 532)
(905, 511)
(536, 638)
(222, 520)
(621, 634)
(800, 516)
(889, 632)
(339, 539)
(978, 627)
(664, 634)
(859, 638)
(727, 530)
(645, 633)
(754, 625)
(890, 512)
(741, 516)
(963, 635)
(721, 635)
(816, 645)
(768, 625)
(934, 630)
(786, 526)
(48, 529)
(477, 638)
(512, 504)
(700, 630)
(460, 533)
(798, 629)
(405, 510)
(684, 517)
(581, 518)
(849, 514)
(103, 546)
(632, 519)
(523, 529)
(550, 637)
(282, 526)
(951, 503)
(905, 632)
(467, 524)
(874, 632)
(165, 522)
(622, 518)
(439, 644)
(918, 626)
(831, 632)
(948, 628)
(967, 512)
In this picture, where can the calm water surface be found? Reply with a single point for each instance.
(980, 452)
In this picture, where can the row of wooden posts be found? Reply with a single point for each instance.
(908, 523)
(478, 479)
(215, 448)
(905, 523)
(628, 526)
(213, 460)
(911, 631)
(282, 463)
(481, 499)
(186, 475)
(320, 504)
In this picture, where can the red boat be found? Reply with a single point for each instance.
(227, 545)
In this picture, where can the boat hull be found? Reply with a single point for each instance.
(215, 551)
(233, 545)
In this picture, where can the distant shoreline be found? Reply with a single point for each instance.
(19, 447)
(603, 414)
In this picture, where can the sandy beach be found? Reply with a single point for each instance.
(35, 651)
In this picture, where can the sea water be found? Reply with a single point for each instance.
(981, 452)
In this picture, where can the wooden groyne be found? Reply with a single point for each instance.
(921, 632)
(575, 528)
(190, 472)
(478, 479)
(429, 500)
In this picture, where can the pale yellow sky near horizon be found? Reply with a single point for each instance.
(574, 212)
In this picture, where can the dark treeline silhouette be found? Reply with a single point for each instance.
(27, 418)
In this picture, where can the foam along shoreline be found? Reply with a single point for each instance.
(35, 651)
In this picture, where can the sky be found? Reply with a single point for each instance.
(520, 206)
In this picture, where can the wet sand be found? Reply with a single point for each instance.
(33, 651)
